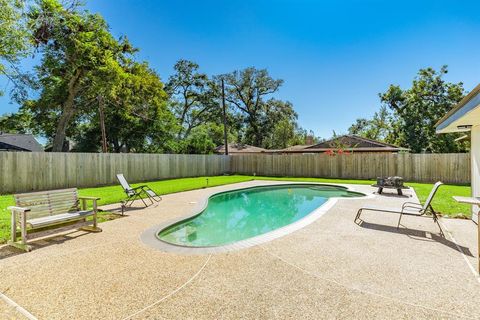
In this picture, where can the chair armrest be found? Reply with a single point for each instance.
(18, 209)
(88, 198)
(140, 187)
(411, 204)
(412, 207)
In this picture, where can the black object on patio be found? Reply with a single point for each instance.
(390, 183)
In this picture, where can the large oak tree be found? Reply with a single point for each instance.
(250, 91)
(75, 46)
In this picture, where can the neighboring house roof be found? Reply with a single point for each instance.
(349, 143)
(296, 147)
(19, 142)
(239, 148)
(461, 117)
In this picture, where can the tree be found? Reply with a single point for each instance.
(13, 36)
(247, 90)
(75, 46)
(285, 133)
(20, 122)
(191, 97)
(378, 128)
(136, 115)
(279, 125)
(417, 109)
(203, 139)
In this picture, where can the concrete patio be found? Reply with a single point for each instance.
(332, 268)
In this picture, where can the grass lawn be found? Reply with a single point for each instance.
(443, 201)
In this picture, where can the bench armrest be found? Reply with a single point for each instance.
(88, 198)
(18, 209)
(84, 202)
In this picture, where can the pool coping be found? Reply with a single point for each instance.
(149, 236)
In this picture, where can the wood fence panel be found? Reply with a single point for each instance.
(23, 171)
(32, 171)
(449, 167)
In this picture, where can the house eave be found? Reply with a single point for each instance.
(463, 115)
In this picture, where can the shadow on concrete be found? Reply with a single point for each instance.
(56, 235)
(118, 208)
(416, 235)
(393, 195)
(43, 242)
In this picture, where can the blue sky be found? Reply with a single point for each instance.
(335, 57)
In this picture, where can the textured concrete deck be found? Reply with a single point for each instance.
(331, 268)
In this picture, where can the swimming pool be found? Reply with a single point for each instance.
(246, 213)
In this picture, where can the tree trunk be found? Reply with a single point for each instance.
(60, 133)
(225, 134)
(67, 112)
(257, 136)
(102, 124)
(184, 114)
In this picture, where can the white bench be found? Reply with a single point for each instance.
(38, 210)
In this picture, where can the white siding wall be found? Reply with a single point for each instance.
(475, 165)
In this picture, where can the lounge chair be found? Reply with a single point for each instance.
(137, 192)
(409, 209)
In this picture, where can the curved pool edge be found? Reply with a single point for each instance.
(151, 239)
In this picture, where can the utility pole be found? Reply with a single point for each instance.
(102, 124)
(225, 135)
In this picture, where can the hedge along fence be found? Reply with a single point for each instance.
(25, 171)
(448, 167)
(29, 171)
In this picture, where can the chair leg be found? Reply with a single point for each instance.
(155, 196)
(435, 219)
(358, 215)
(149, 198)
(143, 201)
(157, 200)
(131, 199)
(440, 228)
(145, 191)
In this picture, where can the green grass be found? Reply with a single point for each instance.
(443, 201)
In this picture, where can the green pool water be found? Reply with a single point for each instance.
(246, 213)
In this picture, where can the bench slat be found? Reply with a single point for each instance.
(46, 211)
(48, 203)
(43, 193)
(59, 218)
(52, 192)
(47, 199)
(49, 210)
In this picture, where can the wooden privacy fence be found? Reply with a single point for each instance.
(447, 167)
(24, 171)
(27, 171)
